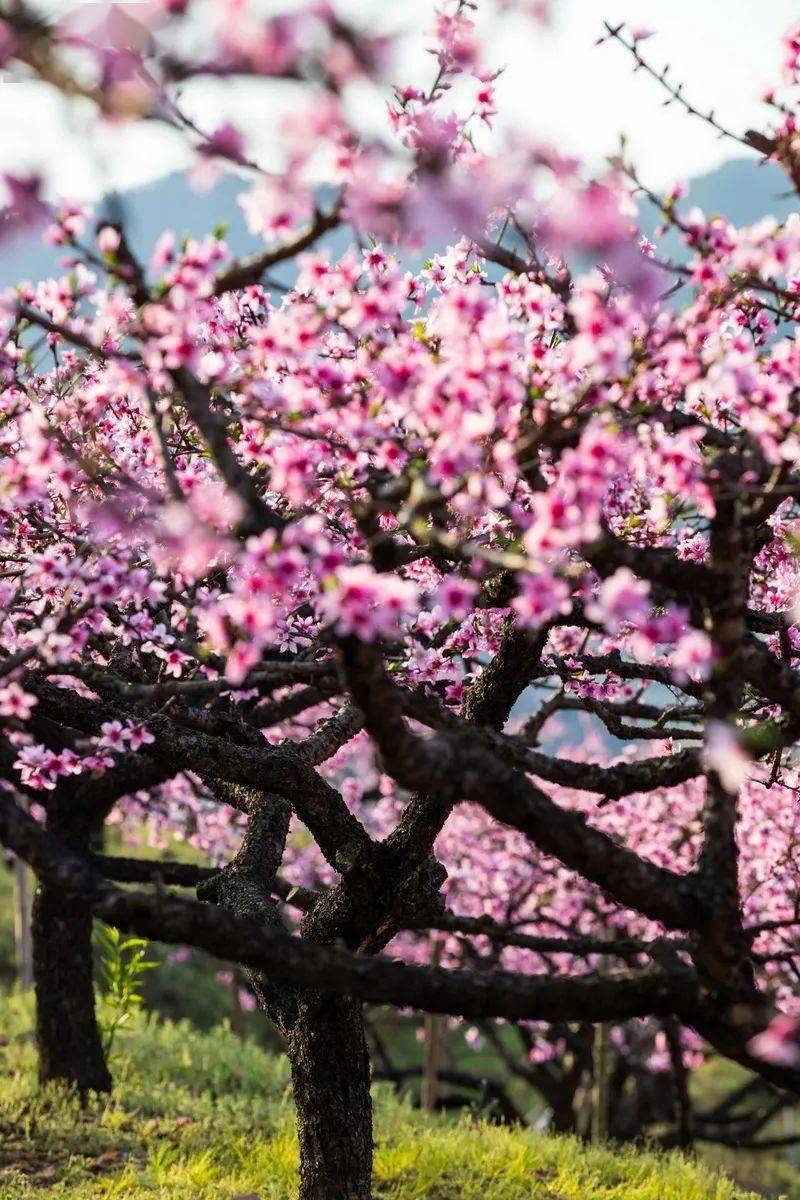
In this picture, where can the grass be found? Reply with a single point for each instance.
(197, 1115)
(175, 1074)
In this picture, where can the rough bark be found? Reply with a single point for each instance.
(723, 951)
(325, 1034)
(67, 1037)
(330, 1078)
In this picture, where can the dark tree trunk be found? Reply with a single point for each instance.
(325, 1034)
(563, 1113)
(67, 1036)
(330, 1078)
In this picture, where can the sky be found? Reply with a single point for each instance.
(557, 84)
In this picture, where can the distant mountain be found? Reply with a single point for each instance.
(743, 191)
(169, 203)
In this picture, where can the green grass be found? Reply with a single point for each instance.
(197, 1115)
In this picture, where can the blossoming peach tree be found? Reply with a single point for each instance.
(311, 575)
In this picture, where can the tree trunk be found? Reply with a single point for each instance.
(330, 1078)
(23, 947)
(67, 1036)
(325, 1034)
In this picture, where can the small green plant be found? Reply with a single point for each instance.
(122, 967)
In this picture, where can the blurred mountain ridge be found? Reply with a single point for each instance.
(741, 190)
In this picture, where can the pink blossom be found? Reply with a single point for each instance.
(723, 753)
(24, 209)
(226, 141)
(108, 239)
(541, 597)
(693, 655)
(212, 472)
(778, 1043)
(14, 702)
(273, 209)
(138, 735)
(455, 596)
(113, 736)
(246, 1000)
(362, 602)
(622, 599)
(589, 219)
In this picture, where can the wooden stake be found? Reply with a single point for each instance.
(434, 1045)
(601, 1058)
(23, 942)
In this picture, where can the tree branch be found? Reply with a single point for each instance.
(291, 960)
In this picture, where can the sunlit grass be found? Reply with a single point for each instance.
(199, 1115)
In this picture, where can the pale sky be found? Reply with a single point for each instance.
(558, 85)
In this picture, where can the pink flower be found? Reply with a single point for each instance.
(108, 239)
(14, 702)
(723, 754)
(138, 735)
(693, 656)
(241, 660)
(541, 597)
(368, 604)
(163, 251)
(589, 220)
(778, 1043)
(246, 1000)
(622, 599)
(430, 134)
(474, 1038)
(180, 955)
(273, 209)
(225, 142)
(455, 597)
(113, 736)
(40, 767)
(791, 48)
(37, 767)
(173, 662)
(24, 209)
